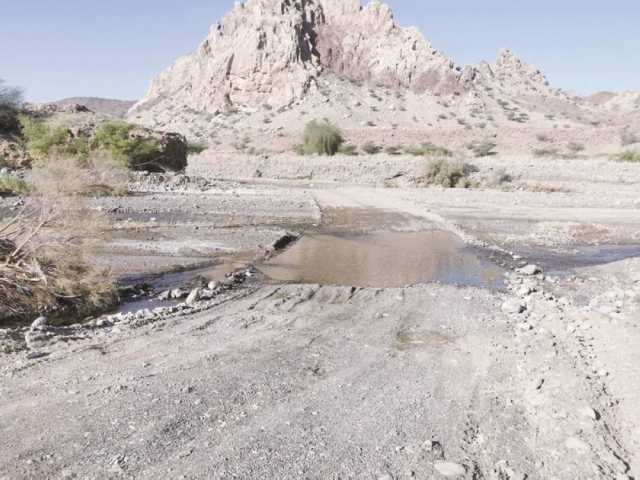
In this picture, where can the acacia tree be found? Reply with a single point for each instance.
(10, 101)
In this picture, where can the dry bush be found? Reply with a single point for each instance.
(322, 138)
(98, 175)
(371, 148)
(627, 156)
(42, 249)
(11, 185)
(42, 266)
(448, 173)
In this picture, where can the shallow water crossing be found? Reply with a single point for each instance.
(383, 259)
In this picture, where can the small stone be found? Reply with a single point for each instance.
(164, 296)
(449, 469)
(513, 306)
(530, 270)
(213, 285)
(193, 297)
(40, 323)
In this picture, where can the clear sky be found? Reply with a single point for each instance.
(112, 48)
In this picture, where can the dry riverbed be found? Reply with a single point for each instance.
(322, 330)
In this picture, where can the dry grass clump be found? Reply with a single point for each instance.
(43, 269)
(485, 148)
(448, 173)
(42, 266)
(371, 148)
(11, 185)
(428, 149)
(97, 176)
(546, 152)
(348, 149)
(322, 138)
(632, 156)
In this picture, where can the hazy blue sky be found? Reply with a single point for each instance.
(113, 48)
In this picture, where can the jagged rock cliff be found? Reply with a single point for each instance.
(273, 51)
(270, 66)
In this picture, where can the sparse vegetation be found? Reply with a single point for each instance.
(448, 174)
(322, 138)
(484, 148)
(576, 147)
(40, 140)
(393, 150)
(130, 151)
(498, 178)
(546, 152)
(42, 265)
(11, 185)
(428, 150)
(628, 156)
(348, 149)
(542, 137)
(371, 148)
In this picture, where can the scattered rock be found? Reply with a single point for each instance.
(530, 270)
(164, 296)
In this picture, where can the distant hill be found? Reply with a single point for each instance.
(106, 106)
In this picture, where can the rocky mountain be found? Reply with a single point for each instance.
(105, 106)
(270, 65)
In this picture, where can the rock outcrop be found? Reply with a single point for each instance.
(272, 65)
(273, 51)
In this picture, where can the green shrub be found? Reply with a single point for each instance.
(371, 148)
(321, 138)
(10, 185)
(628, 156)
(128, 150)
(39, 138)
(447, 174)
